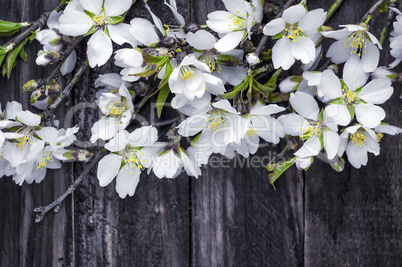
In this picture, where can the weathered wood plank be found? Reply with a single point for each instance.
(354, 218)
(149, 229)
(22, 242)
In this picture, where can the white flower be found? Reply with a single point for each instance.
(191, 81)
(51, 40)
(396, 42)
(35, 165)
(235, 23)
(118, 110)
(358, 140)
(131, 61)
(351, 97)
(219, 126)
(131, 153)
(110, 82)
(255, 125)
(205, 41)
(97, 17)
(315, 127)
(170, 163)
(354, 40)
(297, 30)
(384, 73)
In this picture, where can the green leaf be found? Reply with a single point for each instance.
(23, 55)
(168, 71)
(278, 169)
(151, 58)
(262, 87)
(240, 87)
(274, 78)
(162, 96)
(11, 57)
(7, 28)
(2, 58)
(351, 111)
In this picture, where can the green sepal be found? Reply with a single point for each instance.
(278, 169)
(392, 76)
(278, 35)
(297, 79)
(92, 30)
(115, 20)
(351, 111)
(195, 139)
(33, 35)
(337, 101)
(274, 78)
(90, 14)
(162, 96)
(321, 116)
(266, 55)
(278, 97)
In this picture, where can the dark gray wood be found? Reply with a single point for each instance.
(22, 242)
(354, 218)
(228, 217)
(149, 229)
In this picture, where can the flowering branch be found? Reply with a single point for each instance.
(66, 53)
(333, 9)
(41, 211)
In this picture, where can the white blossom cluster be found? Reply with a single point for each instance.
(215, 84)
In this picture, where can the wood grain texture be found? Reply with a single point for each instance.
(354, 218)
(149, 229)
(22, 242)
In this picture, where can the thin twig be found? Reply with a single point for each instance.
(166, 122)
(48, 113)
(390, 18)
(41, 211)
(372, 9)
(333, 9)
(66, 54)
(266, 37)
(35, 25)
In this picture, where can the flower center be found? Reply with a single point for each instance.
(349, 96)
(237, 21)
(293, 32)
(27, 133)
(208, 58)
(186, 73)
(101, 20)
(215, 121)
(44, 158)
(131, 160)
(117, 109)
(313, 129)
(357, 40)
(358, 138)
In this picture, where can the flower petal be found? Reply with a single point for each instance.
(274, 27)
(127, 181)
(294, 13)
(280, 54)
(377, 91)
(99, 49)
(75, 23)
(369, 115)
(116, 7)
(108, 168)
(229, 41)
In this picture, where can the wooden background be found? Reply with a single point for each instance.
(228, 217)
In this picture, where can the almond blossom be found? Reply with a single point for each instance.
(297, 31)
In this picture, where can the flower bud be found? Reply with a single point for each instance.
(31, 85)
(168, 42)
(45, 58)
(247, 46)
(54, 87)
(227, 60)
(191, 27)
(252, 59)
(304, 163)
